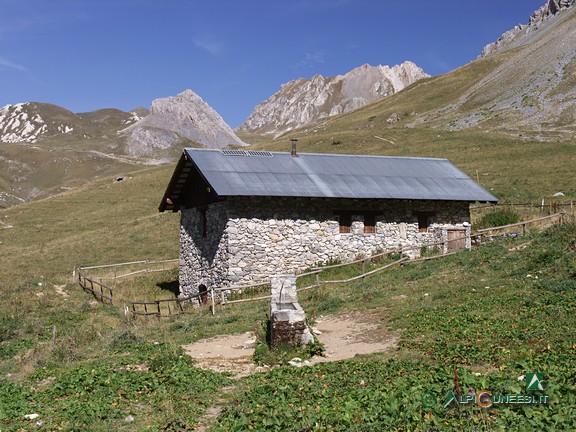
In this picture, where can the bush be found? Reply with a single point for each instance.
(498, 218)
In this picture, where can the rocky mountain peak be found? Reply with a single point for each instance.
(29, 121)
(177, 119)
(302, 101)
(515, 36)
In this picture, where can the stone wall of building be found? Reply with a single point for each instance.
(258, 237)
(203, 248)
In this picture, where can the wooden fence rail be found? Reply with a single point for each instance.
(162, 307)
(217, 295)
(112, 274)
(558, 216)
(177, 306)
(96, 288)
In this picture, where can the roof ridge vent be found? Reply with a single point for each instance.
(233, 152)
(257, 153)
(250, 153)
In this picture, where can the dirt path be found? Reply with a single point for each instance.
(343, 336)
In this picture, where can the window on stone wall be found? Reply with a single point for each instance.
(345, 221)
(369, 223)
(424, 220)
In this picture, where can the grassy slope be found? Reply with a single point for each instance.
(103, 367)
(104, 222)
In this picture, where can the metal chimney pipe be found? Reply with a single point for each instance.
(293, 152)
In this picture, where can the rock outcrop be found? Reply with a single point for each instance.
(515, 35)
(176, 120)
(303, 101)
(31, 122)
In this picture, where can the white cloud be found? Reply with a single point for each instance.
(7, 64)
(213, 47)
(311, 59)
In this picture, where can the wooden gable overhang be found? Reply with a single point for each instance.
(187, 188)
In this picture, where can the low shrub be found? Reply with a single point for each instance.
(498, 218)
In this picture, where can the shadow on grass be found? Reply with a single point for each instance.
(172, 286)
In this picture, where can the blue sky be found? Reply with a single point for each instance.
(91, 54)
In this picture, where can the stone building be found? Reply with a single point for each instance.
(246, 215)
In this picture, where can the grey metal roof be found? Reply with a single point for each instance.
(336, 176)
(242, 173)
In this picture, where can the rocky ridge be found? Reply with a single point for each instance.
(302, 101)
(31, 122)
(516, 35)
(182, 119)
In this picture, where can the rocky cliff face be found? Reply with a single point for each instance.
(182, 119)
(302, 101)
(517, 35)
(31, 122)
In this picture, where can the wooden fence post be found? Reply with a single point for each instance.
(213, 305)
(53, 341)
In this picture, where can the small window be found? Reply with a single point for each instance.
(369, 223)
(204, 223)
(345, 220)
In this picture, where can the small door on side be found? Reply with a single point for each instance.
(456, 239)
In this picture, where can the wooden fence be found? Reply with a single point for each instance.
(540, 206)
(103, 283)
(96, 288)
(161, 308)
(556, 218)
(177, 306)
(113, 272)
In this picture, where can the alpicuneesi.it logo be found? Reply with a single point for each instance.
(487, 398)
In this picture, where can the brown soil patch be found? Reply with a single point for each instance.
(348, 335)
(344, 336)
